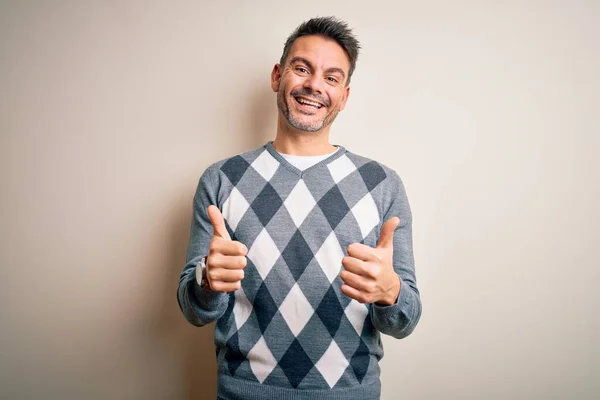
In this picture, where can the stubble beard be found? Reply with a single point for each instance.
(298, 123)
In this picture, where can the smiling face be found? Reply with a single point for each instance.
(311, 85)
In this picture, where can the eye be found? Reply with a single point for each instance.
(302, 70)
(332, 79)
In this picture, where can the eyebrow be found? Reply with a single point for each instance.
(309, 64)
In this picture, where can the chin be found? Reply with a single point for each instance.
(309, 128)
(304, 125)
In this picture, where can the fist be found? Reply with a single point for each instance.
(226, 258)
(368, 273)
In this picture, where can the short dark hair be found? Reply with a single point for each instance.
(331, 28)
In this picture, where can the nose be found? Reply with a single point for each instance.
(315, 83)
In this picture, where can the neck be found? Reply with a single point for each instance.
(299, 143)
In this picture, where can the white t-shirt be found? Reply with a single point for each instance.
(304, 162)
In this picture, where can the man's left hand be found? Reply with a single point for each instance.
(368, 274)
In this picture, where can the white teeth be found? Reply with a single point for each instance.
(308, 102)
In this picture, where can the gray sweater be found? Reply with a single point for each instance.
(289, 332)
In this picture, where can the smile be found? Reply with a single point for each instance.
(308, 103)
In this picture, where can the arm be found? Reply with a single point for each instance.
(401, 318)
(200, 306)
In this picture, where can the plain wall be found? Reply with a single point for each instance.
(111, 110)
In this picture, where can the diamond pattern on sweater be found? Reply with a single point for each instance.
(234, 356)
(299, 203)
(242, 308)
(353, 187)
(330, 257)
(296, 310)
(281, 229)
(313, 380)
(261, 360)
(249, 333)
(372, 174)
(266, 204)
(297, 255)
(278, 336)
(333, 364)
(293, 323)
(281, 278)
(264, 307)
(330, 311)
(234, 169)
(265, 165)
(346, 337)
(341, 168)
(314, 284)
(252, 281)
(234, 208)
(278, 378)
(314, 338)
(295, 363)
(251, 185)
(263, 253)
(333, 206)
(360, 361)
(356, 314)
(365, 212)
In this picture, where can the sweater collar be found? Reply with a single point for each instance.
(340, 152)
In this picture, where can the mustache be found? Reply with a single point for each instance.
(308, 94)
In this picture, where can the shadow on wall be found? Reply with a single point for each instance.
(194, 346)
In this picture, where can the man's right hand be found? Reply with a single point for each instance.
(226, 258)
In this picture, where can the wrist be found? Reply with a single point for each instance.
(392, 294)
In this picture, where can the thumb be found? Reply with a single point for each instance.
(218, 223)
(386, 237)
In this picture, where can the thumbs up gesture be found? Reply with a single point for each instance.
(368, 274)
(226, 258)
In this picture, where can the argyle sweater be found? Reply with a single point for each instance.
(289, 332)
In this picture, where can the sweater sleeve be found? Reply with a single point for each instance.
(400, 319)
(200, 306)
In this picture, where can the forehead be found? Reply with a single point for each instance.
(323, 52)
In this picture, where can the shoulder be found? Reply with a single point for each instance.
(374, 172)
(233, 167)
(384, 184)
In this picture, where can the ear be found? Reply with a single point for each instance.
(345, 98)
(275, 77)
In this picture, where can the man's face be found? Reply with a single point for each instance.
(311, 85)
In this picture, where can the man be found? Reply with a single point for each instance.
(302, 250)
